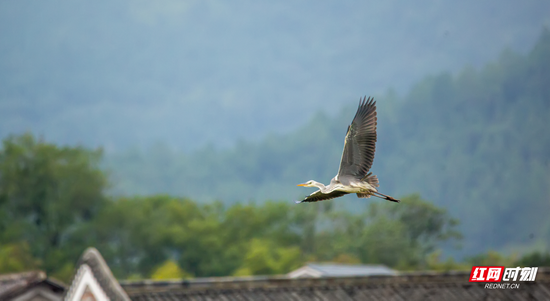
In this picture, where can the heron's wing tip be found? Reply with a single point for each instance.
(298, 202)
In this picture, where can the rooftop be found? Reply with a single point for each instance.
(403, 286)
(340, 270)
(13, 285)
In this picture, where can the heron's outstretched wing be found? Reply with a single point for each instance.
(360, 142)
(319, 196)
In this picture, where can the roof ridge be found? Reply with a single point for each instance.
(38, 274)
(439, 276)
(93, 259)
(346, 265)
(11, 284)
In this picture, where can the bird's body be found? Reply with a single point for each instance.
(357, 157)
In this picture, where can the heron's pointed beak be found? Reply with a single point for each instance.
(301, 184)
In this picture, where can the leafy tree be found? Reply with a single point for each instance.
(398, 235)
(426, 225)
(52, 198)
(169, 270)
(16, 257)
(346, 259)
(534, 259)
(264, 258)
(490, 258)
(138, 234)
(435, 263)
(384, 241)
(46, 194)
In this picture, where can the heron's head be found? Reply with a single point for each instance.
(309, 183)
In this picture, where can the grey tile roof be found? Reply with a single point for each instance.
(338, 270)
(102, 273)
(12, 285)
(404, 286)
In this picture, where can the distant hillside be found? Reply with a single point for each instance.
(119, 74)
(476, 143)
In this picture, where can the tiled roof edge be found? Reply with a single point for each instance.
(277, 281)
(102, 273)
(22, 281)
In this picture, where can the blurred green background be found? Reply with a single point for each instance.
(170, 135)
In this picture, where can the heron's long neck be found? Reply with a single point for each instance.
(321, 186)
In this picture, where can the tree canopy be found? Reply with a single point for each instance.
(47, 194)
(53, 206)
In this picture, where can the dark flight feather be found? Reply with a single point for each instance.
(319, 196)
(360, 142)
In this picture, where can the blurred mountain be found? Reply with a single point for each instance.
(122, 74)
(476, 143)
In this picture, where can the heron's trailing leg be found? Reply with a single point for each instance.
(385, 197)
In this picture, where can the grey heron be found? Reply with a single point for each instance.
(353, 175)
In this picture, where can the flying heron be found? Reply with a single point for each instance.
(353, 175)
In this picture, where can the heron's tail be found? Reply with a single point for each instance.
(371, 179)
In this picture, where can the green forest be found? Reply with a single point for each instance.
(53, 205)
(475, 143)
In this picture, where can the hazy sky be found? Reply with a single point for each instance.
(132, 73)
